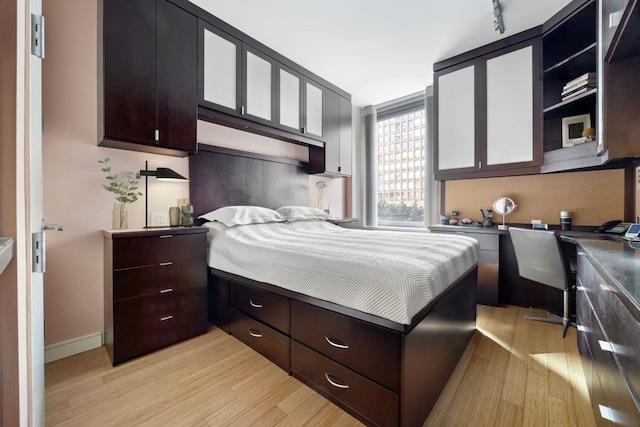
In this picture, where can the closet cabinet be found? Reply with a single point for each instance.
(486, 120)
(147, 98)
(234, 77)
(338, 143)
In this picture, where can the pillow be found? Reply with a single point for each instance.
(240, 215)
(297, 213)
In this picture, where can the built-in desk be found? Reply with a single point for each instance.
(608, 319)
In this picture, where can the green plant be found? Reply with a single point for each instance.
(124, 186)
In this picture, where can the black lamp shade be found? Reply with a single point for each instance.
(165, 173)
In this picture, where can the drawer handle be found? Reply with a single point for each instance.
(166, 236)
(254, 333)
(165, 291)
(164, 264)
(606, 346)
(340, 384)
(255, 305)
(606, 288)
(336, 344)
(166, 318)
(580, 253)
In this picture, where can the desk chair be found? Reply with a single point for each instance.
(540, 258)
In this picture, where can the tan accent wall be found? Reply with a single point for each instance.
(593, 197)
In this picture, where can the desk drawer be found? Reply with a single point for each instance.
(133, 282)
(265, 340)
(488, 242)
(266, 306)
(367, 398)
(369, 350)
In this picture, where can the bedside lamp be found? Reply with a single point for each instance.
(165, 174)
(320, 185)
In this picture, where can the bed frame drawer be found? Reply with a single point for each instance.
(266, 306)
(371, 401)
(367, 349)
(265, 340)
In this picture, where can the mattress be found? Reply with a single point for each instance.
(389, 274)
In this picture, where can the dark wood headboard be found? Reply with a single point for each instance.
(223, 177)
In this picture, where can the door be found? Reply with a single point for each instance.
(35, 305)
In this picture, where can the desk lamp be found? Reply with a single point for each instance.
(165, 174)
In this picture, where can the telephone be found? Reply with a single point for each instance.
(613, 227)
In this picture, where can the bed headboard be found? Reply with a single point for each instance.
(224, 177)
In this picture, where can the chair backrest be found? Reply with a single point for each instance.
(540, 257)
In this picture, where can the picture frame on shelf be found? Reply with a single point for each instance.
(572, 128)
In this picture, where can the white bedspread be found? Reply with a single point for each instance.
(389, 274)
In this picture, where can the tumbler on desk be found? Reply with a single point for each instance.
(565, 220)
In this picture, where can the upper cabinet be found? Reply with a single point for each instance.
(335, 159)
(145, 103)
(486, 122)
(234, 77)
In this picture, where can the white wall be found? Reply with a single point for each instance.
(73, 195)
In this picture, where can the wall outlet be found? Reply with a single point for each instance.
(159, 218)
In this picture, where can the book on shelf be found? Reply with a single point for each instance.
(576, 92)
(585, 79)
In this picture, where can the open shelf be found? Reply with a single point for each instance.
(569, 102)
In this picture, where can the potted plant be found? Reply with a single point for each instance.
(124, 187)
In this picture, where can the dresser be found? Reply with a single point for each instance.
(155, 289)
(608, 318)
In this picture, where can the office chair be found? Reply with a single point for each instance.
(540, 258)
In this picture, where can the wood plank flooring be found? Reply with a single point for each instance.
(514, 372)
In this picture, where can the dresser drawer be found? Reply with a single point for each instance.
(369, 350)
(365, 397)
(150, 250)
(265, 340)
(133, 282)
(266, 306)
(142, 333)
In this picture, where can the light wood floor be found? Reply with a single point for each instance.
(514, 372)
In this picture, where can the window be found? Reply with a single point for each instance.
(400, 127)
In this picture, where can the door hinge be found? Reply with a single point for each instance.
(37, 258)
(37, 35)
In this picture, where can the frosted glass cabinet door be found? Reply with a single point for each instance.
(220, 70)
(258, 86)
(314, 109)
(456, 119)
(510, 107)
(289, 100)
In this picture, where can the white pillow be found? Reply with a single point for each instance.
(240, 215)
(296, 213)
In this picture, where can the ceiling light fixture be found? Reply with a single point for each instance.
(498, 25)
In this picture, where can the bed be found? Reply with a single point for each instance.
(288, 289)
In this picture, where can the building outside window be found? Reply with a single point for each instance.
(400, 169)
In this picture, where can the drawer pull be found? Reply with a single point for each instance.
(165, 291)
(580, 253)
(164, 264)
(606, 288)
(166, 318)
(166, 236)
(606, 346)
(255, 305)
(254, 333)
(336, 344)
(340, 384)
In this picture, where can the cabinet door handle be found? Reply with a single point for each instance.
(162, 319)
(166, 236)
(164, 264)
(336, 344)
(340, 384)
(254, 333)
(254, 305)
(165, 291)
(242, 110)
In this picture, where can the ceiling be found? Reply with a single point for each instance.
(377, 50)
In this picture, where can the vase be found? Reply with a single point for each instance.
(187, 214)
(174, 216)
(120, 216)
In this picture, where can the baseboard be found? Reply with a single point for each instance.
(69, 348)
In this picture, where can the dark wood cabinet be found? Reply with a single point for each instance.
(147, 80)
(487, 115)
(609, 343)
(154, 289)
(336, 158)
